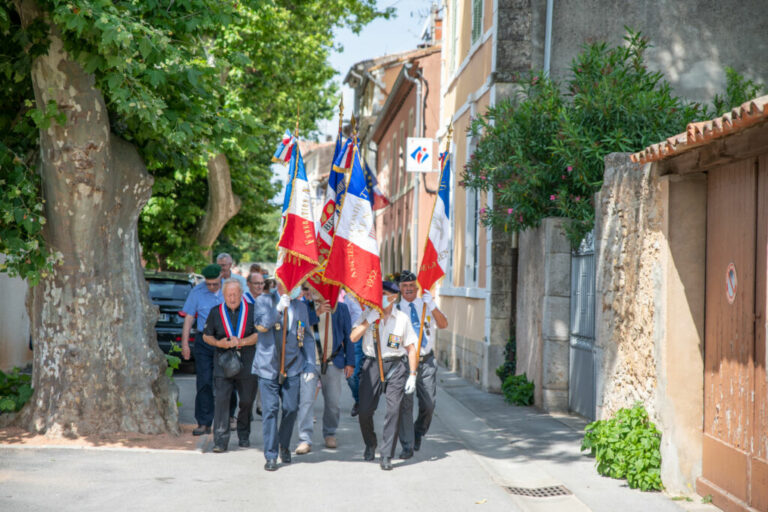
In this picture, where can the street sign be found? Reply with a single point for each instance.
(420, 155)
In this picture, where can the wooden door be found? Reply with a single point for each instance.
(734, 423)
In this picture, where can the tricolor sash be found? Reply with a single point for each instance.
(240, 319)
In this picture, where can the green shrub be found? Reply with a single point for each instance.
(518, 390)
(15, 390)
(510, 360)
(627, 446)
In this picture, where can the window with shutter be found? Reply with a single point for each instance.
(477, 20)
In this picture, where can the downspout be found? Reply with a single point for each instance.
(548, 38)
(419, 130)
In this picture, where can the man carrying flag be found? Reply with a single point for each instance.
(425, 316)
(279, 364)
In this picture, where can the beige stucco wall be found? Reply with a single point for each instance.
(650, 255)
(14, 323)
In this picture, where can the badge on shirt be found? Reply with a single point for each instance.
(394, 341)
(300, 332)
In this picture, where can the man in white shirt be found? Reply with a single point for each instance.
(426, 383)
(397, 349)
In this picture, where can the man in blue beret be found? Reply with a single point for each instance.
(388, 336)
(203, 297)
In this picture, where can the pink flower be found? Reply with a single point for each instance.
(482, 178)
(562, 176)
(552, 197)
(578, 198)
(482, 211)
(510, 210)
(570, 168)
(535, 79)
(521, 219)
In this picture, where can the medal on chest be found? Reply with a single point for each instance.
(394, 341)
(300, 332)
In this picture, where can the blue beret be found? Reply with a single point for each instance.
(390, 287)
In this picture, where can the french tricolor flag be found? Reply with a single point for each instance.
(297, 253)
(354, 258)
(284, 149)
(342, 160)
(437, 252)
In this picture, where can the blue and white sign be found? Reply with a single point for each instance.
(420, 155)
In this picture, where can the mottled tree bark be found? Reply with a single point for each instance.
(222, 203)
(97, 366)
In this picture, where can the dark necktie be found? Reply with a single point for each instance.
(416, 323)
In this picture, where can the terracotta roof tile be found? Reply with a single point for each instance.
(698, 134)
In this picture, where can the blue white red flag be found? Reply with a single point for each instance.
(437, 252)
(284, 149)
(353, 261)
(328, 219)
(377, 197)
(342, 161)
(297, 254)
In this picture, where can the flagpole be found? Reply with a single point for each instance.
(424, 305)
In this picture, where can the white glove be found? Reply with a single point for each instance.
(371, 316)
(285, 301)
(428, 300)
(307, 376)
(410, 384)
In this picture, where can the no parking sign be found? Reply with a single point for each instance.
(731, 282)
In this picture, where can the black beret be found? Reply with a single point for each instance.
(390, 287)
(211, 271)
(406, 275)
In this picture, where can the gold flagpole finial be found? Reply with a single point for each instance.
(448, 138)
(341, 111)
(353, 122)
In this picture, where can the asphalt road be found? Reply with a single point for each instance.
(445, 475)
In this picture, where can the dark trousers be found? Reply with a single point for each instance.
(426, 392)
(370, 390)
(246, 386)
(354, 381)
(272, 396)
(204, 403)
(204, 380)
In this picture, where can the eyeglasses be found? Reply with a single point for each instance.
(257, 283)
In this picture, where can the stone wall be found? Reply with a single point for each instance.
(650, 248)
(543, 312)
(628, 241)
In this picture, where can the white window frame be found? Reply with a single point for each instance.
(472, 226)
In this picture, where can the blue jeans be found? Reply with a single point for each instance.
(354, 381)
(272, 394)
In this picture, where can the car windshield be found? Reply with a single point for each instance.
(168, 290)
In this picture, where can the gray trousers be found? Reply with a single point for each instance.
(371, 389)
(331, 390)
(426, 391)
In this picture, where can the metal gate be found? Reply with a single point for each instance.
(581, 371)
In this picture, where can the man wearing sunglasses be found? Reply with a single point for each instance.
(412, 433)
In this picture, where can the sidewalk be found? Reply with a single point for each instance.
(524, 447)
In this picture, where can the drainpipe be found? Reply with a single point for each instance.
(548, 38)
(419, 130)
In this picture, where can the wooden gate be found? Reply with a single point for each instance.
(735, 444)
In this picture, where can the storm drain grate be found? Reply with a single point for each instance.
(539, 492)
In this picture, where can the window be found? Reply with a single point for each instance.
(472, 229)
(477, 20)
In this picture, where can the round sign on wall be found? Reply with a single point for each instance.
(731, 282)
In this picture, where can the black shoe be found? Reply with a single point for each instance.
(201, 429)
(355, 410)
(370, 452)
(285, 455)
(244, 443)
(219, 449)
(386, 464)
(271, 465)
(417, 443)
(407, 453)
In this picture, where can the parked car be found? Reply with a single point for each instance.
(168, 291)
